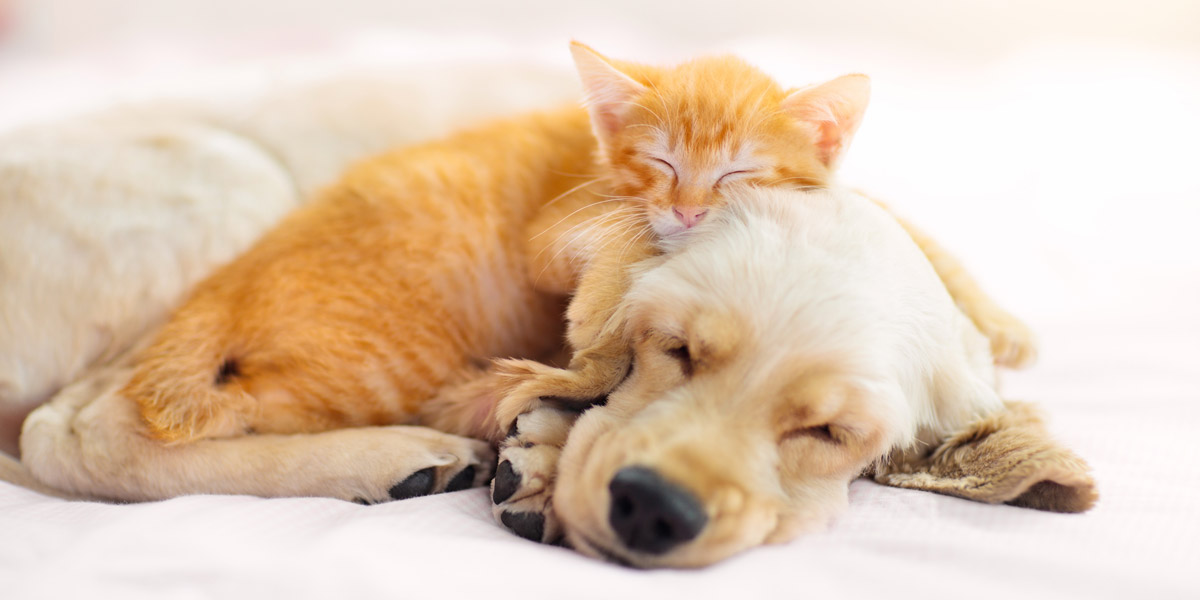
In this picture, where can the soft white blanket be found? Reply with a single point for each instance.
(1064, 178)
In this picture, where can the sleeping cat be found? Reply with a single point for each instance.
(382, 300)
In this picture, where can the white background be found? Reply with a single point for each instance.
(1052, 145)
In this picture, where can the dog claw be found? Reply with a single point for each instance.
(463, 480)
(506, 484)
(417, 484)
(524, 484)
(531, 526)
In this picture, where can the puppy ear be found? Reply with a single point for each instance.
(607, 91)
(1005, 458)
(832, 112)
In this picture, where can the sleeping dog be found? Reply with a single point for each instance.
(90, 441)
(778, 352)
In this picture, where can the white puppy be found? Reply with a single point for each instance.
(783, 349)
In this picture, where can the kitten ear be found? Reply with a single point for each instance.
(607, 91)
(832, 111)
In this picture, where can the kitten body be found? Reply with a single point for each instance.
(392, 286)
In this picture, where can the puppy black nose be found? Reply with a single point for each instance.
(651, 514)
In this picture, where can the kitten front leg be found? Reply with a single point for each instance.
(596, 332)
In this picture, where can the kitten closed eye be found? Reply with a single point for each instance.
(670, 167)
(730, 175)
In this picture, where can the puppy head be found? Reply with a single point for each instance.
(709, 448)
(750, 406)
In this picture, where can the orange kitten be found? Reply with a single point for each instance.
(679, 137)
(383, 293)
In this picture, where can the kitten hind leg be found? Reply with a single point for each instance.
(188, 383)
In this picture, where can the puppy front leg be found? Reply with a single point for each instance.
(523, 489)
(90, 441)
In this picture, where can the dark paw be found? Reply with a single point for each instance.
(463, 480)
(530, 526)
(507, 482)
(417, 484)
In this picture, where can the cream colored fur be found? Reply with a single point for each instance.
(106, 220)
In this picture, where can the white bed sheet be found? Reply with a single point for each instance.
(1065, 179)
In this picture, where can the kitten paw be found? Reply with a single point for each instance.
(523, 489)
(529, 385)
(1013, 343)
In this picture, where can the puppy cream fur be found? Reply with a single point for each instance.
(794, 342)
(827, 276)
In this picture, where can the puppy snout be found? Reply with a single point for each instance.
(650, 514)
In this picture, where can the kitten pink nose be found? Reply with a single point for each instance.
(690, 216)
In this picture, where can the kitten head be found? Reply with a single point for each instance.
(676, 139)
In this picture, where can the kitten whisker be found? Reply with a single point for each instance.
(645, 229)
(647, 109)
(571, 191)
(661, 98)
(762, 119)
(573, 213)
(655, 128)
(572, 241)
(623, 211)
(624, 197)
(566, 174)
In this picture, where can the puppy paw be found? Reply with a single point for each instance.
(523, 489)
(443, 463)
(1013, 343)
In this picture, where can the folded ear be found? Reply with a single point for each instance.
(1004, 458)
(607, 91)
(832, 111)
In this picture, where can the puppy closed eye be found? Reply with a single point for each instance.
(823, 433)
(683, 356)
